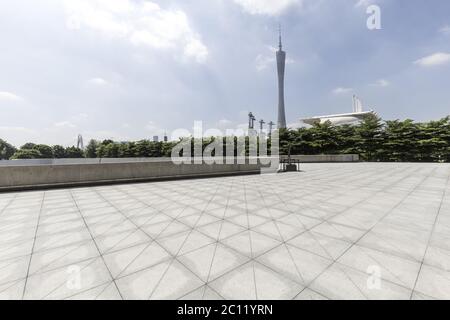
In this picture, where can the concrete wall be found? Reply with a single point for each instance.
(31, 174)
(31, 162)
(34, 176)
(326, 158)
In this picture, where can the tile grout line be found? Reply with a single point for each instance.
(34, 242)
(218, 238)
(250, 240)
(95, 243)
(430, 236)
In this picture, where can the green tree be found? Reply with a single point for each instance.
(146, 148)
(324, 139)
(166, 148)
(27, 154)
(6, 150)
(28, 145)
(400, 140)
(433, 141)
(346, 139)
(127, 150)
(45, 151)
(74, 152)
(91, 149)
(101, 151)
(106, 142)
(288, 139)
(368, 140)
(112, 150)
(58, 152)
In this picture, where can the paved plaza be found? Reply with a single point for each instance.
(333, 231)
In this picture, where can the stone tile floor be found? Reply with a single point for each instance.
(334, 231)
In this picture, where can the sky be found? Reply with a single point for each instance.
(132, 69)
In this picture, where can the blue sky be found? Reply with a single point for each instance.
(130, 69)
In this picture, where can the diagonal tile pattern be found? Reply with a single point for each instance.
(333, 231)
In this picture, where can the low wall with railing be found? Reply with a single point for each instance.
(22, 174)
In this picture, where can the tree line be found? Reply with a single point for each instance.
(38, 151)
(373, 139)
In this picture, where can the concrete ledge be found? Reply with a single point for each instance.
(52, 173)
(325, 158)
(24, 177)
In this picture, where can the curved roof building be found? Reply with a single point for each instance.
(344, 118)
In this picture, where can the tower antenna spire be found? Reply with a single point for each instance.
(279, 37)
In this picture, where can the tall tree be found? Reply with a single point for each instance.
(6, 150)
(369, 138)
(346, 139)
(45, 151)
(74, 152)
(28, 145)
(433, 141)
(400, 140)
(58, 152)
(91, 148)
(324, 138)
(26, 154)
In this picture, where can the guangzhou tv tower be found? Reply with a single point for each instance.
(281, 62)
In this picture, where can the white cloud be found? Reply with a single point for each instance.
(142, 23)
(18, 135)
(80, 117)
(435, 59)
(263, 61)
(341, 90)
(290, 61)
(97, 82)
(70, 125)
(64, 124)
(224, 122)
(153, 128)
(105, 134)
(9, 97)
(445, 30)
(364, 3)
(382, 83)
(197, 50)
(267, 7)
(16, 130)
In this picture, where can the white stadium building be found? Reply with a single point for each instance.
(344, 118)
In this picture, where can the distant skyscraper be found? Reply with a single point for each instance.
(281, 61)
(155, 139)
